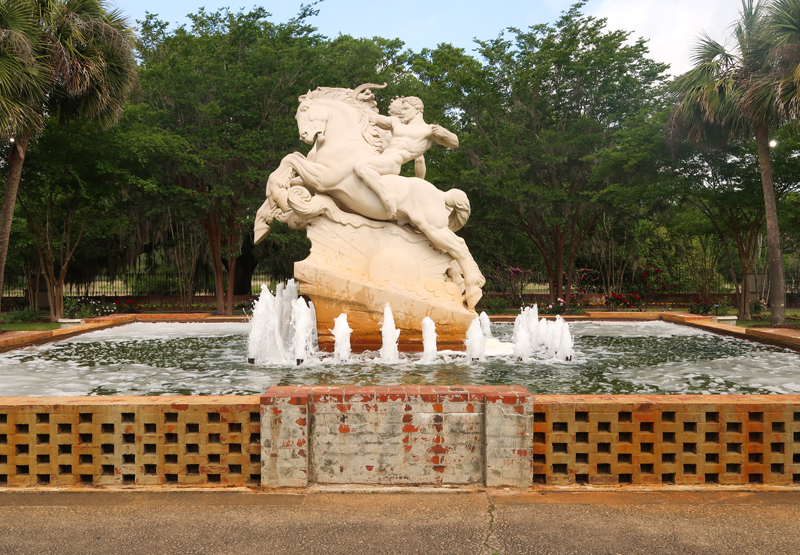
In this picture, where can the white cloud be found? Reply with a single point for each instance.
(672, 26)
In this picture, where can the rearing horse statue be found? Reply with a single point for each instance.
(337, 123)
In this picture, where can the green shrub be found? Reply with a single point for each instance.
(27, 314)
(79, 307)
(701, 306)
(757, 306)
(494, 305)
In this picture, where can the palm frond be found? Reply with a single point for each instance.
(709, 51)
(23, 83)
(784, 21)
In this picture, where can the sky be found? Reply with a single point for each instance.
(672, 26)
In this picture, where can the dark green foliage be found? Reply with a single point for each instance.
(24, 315)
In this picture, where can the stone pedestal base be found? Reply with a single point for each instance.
(356, 268)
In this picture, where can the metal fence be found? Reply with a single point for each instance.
(130, 284)
(166, 283)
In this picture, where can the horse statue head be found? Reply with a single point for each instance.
(313, 116)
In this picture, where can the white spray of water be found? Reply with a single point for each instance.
(486, 325)
(564, 351)
(390, 335)
(284, 297)
(341, 339)
(547, 331)
(265, 344)
(302, 322)
(476, 342)
(522, 336)
(428, 341)
(549, 339)
(314, 334)
(274, 337)
(533, 323)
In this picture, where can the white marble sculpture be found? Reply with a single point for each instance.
(376, 236)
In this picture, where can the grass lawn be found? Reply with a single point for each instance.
(39, 326)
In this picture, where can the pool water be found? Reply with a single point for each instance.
(211, 359)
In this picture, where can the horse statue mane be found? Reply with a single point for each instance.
(360, 102)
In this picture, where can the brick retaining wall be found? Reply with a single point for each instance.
(436, 435)
(137, 441)
(397, 435)
(667, 439)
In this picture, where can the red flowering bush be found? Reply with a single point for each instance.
(652, 280)
(127, 306)
(587, 280)
(701, 306)
(617, 301)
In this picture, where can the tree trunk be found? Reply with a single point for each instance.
(55, 292)
(777, 288)
(231, 273)
(245, 266)
(745, 309)
(213, 229)
(746, 261)
(15, 161)
(32, 280)
(559, 266)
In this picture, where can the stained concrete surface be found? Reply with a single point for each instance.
(470, 522)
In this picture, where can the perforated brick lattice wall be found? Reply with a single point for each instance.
(667, 440)
(490, 435)
(192, 441)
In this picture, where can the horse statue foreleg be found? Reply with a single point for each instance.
(264, 218)
(294, 170)
(309, 172)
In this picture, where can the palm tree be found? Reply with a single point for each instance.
(23, 82)
(734, 91)
(71, 58)
(784, 27)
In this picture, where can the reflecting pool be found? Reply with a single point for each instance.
(210, 359)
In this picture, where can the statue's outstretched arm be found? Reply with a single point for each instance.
(444, 137)
(384, 122)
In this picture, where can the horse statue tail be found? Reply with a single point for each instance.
(458, 203)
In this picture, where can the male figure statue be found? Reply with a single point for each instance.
(396, 110)
(411, 138)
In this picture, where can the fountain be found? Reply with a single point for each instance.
(476, 341)
(390, 335)
(341, 333)
(377, 238)
(282, 327)
(522, 338)
(551, 339)
(428, 341)
(486, 324)
(302, 328)
(282, 330)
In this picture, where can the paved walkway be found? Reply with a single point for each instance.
(442, 522)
